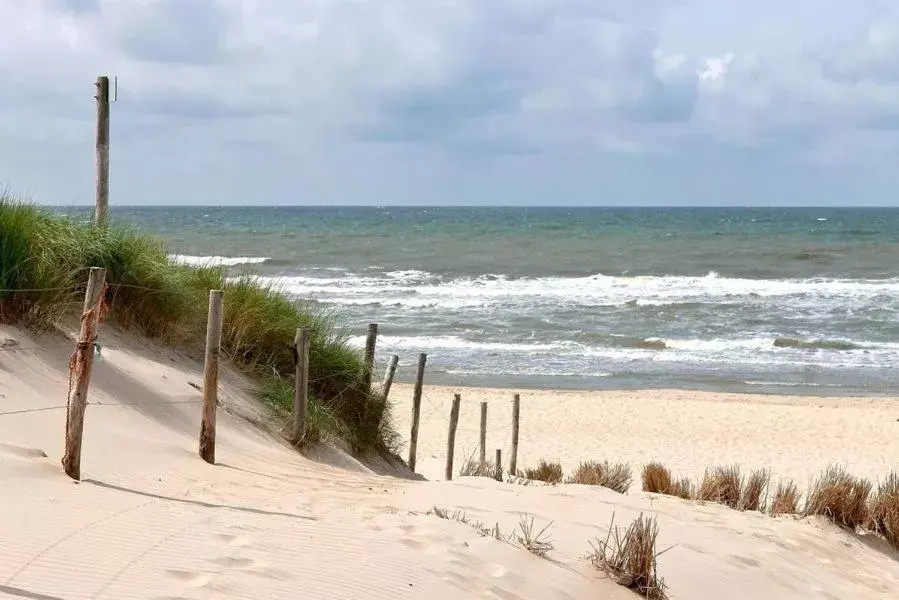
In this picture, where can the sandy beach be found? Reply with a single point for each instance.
(152, 520)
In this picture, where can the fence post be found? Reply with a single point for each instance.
(101, 206)
(301, 386)
(483, 434)
(451, 437)
(80, 375)
(391, 371)
(368, 362)
(513, 461)
(416, 409)
(211, 376)
(498, 475)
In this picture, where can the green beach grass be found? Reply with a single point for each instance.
(44, 261)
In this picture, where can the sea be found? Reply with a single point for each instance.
(781, 301)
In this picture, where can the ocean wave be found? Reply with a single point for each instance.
(217, 261)
(786, 342)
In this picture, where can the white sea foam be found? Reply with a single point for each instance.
(216, 261)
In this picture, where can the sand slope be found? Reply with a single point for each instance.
(151, 520)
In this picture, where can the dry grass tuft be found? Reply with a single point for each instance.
(475, 468)
(840, 496)
(545, 471)
(616, 477)
(461, 517)
(755, 492)
(656, 478)
(883, 510)
(683, 488)
(786, 499)
(535, 542)
(723, 485)
(631, 559)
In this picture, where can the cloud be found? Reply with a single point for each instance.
(415, 98)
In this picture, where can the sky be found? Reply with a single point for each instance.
(455, 102)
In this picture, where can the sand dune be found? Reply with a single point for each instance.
(151, 520)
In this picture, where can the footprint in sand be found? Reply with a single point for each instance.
(192, 579)
(235, 541)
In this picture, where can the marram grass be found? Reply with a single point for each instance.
(44, 261)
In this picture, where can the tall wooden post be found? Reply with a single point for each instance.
(451, 437)
(80, 376)
(513, 460)
(101, 206)
(211, 376)
(391, 371)
(416, 409)
(301, 387)
(368, 361)
(483, 434)
(498, 472)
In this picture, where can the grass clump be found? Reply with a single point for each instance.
(460, 516)
(883, 510)
(630, 558)
(44, 261)
(839, 496)
(616, 477)
(656, 478)
(534, 541)
(550, 472)
(755, 491)
(785, 500)
(723, 485)
(475, 468)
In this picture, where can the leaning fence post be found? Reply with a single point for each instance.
(301, 387)
(81, 367)
(513, 460)
(211, 376)
(483, 434)
(416, 409)
(451, 437)
(498, 474)
(368, 361)
(391, 371)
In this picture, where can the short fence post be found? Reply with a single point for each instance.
(498, 475)
(301, 387)
(416, 409)
(516, 409)
(483, 434)
(391, 371)
(451, 437)
(368, 361)
(211, 376)
(80, 376)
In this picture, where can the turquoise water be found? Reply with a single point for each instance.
(766, 300)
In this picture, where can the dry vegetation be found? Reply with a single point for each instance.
(841, 497)
(631, 558)
(657, 479)
(786, 499)
(475, 468)
(535, 542)
(883, 511)
(755, 491)
(616, 477)
(550, 472)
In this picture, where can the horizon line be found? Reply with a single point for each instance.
(469, 206)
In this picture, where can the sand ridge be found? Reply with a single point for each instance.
(152, 520)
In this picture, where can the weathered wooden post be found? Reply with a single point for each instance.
(101, 208)
(80, 375)
(211, 376)
(368, 362)
(391, 371)
(483, 435)
(513, 460)
(451, 437)
(498, 474)
(301, 387)
(416, 409)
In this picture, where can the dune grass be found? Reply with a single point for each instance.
(785, 500)
(550, 472)
(656, 478)
(723, 485)
(630, 558)
(883, 510)
(616, 477)
(44, 260)
(840, 496)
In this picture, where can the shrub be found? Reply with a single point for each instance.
(546, 471)
(616, 477)
(723, 485)
(786, 499)
(883, 510)
(839, 496)
(631, 559)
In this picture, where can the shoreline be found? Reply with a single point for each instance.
(796, 437)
